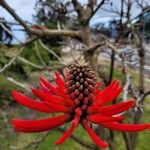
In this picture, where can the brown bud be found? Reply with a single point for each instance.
(72, 96)
(77, 84)
(80, 97)
(86, 100)
(76, 102)
(83, 107)
(81, 80)
(86, 91)
(76, 92)
(80, 74)
(81, 87)
(85, 83)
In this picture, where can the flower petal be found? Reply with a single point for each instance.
(55, 90)
(49, 86)
(108, 94)
(49, 97)
(32, 104)
(112, 109)
(59, 108)
(97, 90)
(39, 125)
(98, 119)
(44, 88)
(65, 136)
(59, 81)
(126, 127)
(94, 137)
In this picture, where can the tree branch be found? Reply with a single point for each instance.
(11, 61)
(97, 8)
(44, 31)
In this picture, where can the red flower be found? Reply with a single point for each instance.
(80, 101)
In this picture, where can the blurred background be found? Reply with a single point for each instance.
(40, 36)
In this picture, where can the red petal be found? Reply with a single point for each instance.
(39, 125)
(98, 119)
(65, 136)
(112, 109)
(28, 102)
(126, 127)
(56, 91)
(50, 98)
(97, 90)
(59, 81)
(49, 86)
(108, 94)
(94, 137)
(44, 88)
(118, 108)
(59, 108)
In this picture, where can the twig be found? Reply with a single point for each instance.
(30, 63)
(111, 66)
(126, 87)
(34, 143)
(97, 8)
(9, 32)
(51, 51)
(94, 47)
(22, 85)
(11, 61)
(13, 13)
(39, 55)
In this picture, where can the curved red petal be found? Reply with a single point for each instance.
(109, 93)
(97, 90)
(59, 108)
(126, 127)
(94, 137)
(111, 109)
(48, 97)
(59, 81)
(39, 125)
(44, 88)
(53, 89)
(118, 108)
(49, 86)
(30, 103)
(65, 136)
(98, 119)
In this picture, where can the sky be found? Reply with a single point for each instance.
(25, 9)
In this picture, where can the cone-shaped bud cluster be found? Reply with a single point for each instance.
(81, 83)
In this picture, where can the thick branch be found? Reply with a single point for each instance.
(55, 33)
(43, 32)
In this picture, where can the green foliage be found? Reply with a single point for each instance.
(5, 90)
(30, 54)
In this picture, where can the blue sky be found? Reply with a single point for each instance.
(25, 9)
